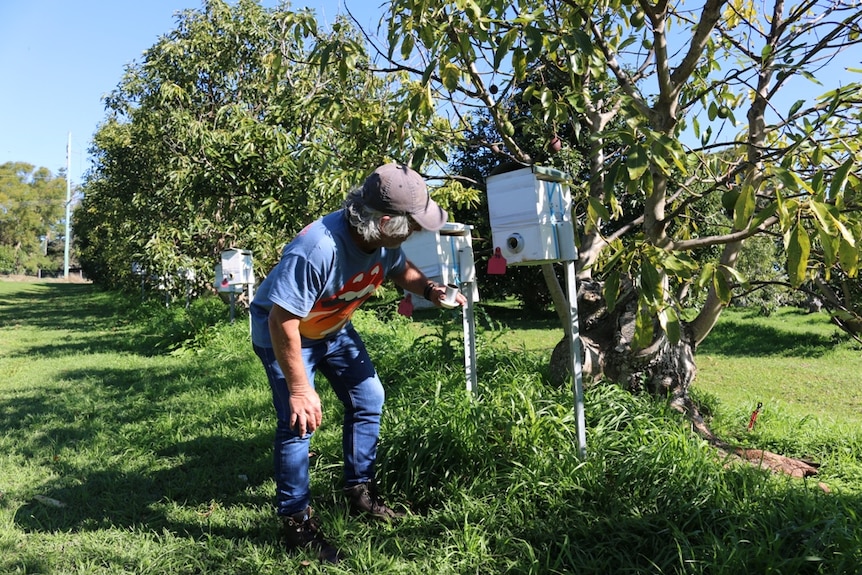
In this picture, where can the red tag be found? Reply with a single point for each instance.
(405, 306)
(497, 263)
(753, 419)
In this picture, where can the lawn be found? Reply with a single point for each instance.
(136, 439)
(794, 361)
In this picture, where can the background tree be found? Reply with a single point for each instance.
(225, 136)
(32, 213)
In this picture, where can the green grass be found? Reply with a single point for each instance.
(791, 360)
(154, 430)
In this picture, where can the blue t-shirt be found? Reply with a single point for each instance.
(322, 277)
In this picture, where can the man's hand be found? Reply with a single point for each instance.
(305, 412)
(437, 294)
(413, 280)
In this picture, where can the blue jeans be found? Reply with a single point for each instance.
(345, 363)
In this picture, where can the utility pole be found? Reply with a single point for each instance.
(68, 207)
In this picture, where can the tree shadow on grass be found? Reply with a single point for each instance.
(60, 306)
(746, 339)
(115, 459)
(93, 321)
(206, 475)
(131, 444)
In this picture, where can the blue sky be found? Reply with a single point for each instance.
(59, 57)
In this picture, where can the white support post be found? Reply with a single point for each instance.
(469, 320)
(575, 355)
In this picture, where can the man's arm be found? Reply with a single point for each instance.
(413, 280)
(305, 412)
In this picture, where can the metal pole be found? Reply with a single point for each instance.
(68, 207)
(469, 321)
(575, 354)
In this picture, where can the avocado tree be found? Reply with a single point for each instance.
(225, 136)
(700, 102)
(701, 96)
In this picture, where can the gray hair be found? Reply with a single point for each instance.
(366, 220)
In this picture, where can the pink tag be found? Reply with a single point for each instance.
(405, 306)
(497, 263)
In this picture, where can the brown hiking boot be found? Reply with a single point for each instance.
(364, 498)
(302, 531)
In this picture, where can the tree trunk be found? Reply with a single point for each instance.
(664, 368)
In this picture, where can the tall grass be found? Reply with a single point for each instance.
(162, 460)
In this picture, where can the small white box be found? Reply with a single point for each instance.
(531, 215)
(445, 257)
(237, 267)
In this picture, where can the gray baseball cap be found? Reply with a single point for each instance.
(395, 189)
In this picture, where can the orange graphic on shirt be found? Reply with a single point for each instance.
(329, 315)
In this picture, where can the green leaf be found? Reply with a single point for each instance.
(504, 47)
(845, 233)
(848, 255)
(674, 151)
(788, 178)
(429, 71)
(599, 208)
(722, 287)
(669, 322)
(839, 179)
(821, 213)
(450, 76)
(611, 176)
(680, 265)
(643, 328)
(829, 244)
(737, 276)
(706, 275)
(407, 44)
(596, 211)
(795, 107)
(519, 64)
(743, 209)
(798, 251)
(473, 11)
(534, 39)
(636, 162)
(583, 40)
(817, 155)
(762, 215)
(650, 281)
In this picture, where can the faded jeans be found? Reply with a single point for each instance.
(345, 363)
